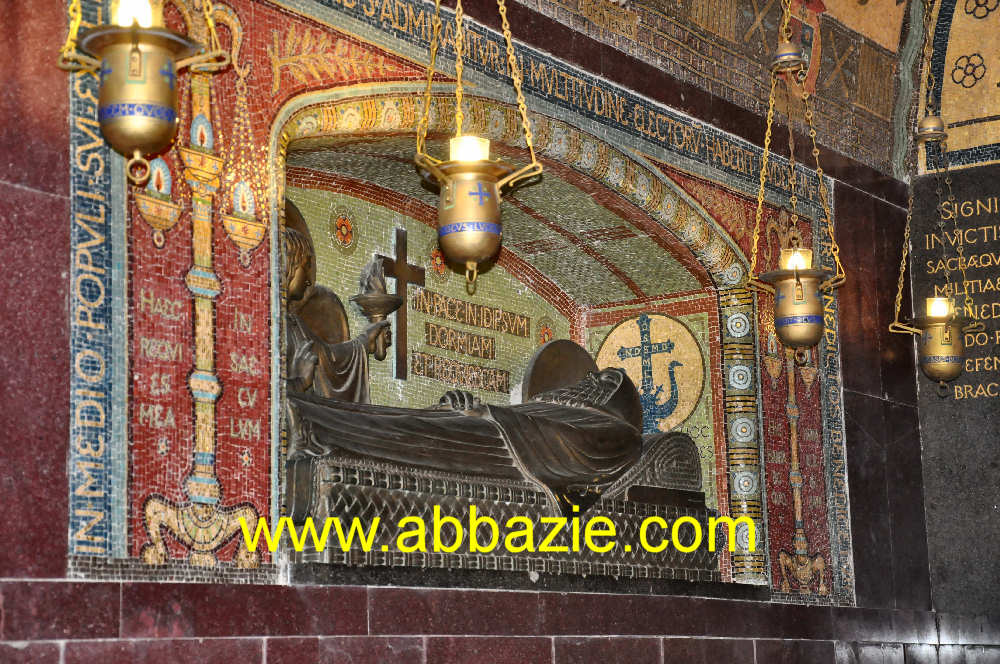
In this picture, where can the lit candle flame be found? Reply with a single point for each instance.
(129, 12)
(795, 259)
(470, 148)
(938, 307)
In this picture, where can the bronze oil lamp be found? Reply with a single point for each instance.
(787, 57)
(137, 59)
(797, 284)
(940, 345)
(469, 228)
(798, 307)
(940, 332)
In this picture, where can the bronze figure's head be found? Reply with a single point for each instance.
(300, 266)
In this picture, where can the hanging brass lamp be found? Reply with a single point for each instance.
(798, 307)
(798, 283)
(788, 57)
(940, 332)
(137, 59)
(940, 345)
(931, 129)
(469, 227)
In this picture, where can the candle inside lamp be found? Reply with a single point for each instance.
(125, 13)
(939, 307)
(795, 259)
(470, 148)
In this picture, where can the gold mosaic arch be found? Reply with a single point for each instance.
(361, 109)
(380, 108)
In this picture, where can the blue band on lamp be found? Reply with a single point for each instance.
(798, 320)
(129, 109)
(939, 359)
(467, 226)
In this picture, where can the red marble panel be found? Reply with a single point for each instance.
(583, 614)
(34, 381)
(344, 649)
(59, 610)
(185, 610)
(418, 611)
(608, 649)
(30, 653)
(245, 651)
(708, 651)
(497, 650)
(34, 102)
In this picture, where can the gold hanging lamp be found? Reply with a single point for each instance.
(469, 227)
(797, 284)
(940, 332)
(137, 60)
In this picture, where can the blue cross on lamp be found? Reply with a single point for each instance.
(480, 193)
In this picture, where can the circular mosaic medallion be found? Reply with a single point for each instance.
(733, 274)
(745, 483)
(343, 234)
(741, 430)
(436, 264)
(664, 360)
(738, 325)
(546, 330)
(743, 536)
(740, 377)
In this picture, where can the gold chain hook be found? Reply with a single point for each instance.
(422, 125)
(459, 67)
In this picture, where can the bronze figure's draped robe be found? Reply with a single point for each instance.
(570, 442)
(341, 368)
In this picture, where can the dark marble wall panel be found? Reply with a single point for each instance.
(904, 483)
(897, 351)
(859, 322)
(960, 432)
(865, 419)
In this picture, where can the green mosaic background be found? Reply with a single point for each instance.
(374, 229)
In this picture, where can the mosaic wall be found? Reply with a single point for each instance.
(500, 353)
(964, 64)
(725, 47)
(638, 240)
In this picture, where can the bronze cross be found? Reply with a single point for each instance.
(404, 274)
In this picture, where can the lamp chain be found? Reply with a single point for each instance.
(760, 190)
(459, 66)
(792, 179)
(896, 325)
(752, 281)
(515, 75)
(928, 52)
(840, 275)
(425, 116)
(75, 18)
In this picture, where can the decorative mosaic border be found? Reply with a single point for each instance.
(966, 157)
(98, 327)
